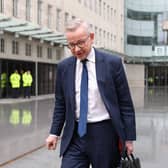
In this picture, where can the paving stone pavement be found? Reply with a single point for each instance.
(41, 158)
(152, 133)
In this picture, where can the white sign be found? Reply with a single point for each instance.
(160, 51)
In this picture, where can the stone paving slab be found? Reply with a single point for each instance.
(44, 158)
(41, 158)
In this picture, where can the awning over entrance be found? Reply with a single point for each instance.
(25, 28)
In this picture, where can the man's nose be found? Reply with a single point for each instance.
(76, 48)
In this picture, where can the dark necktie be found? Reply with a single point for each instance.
(83, 101)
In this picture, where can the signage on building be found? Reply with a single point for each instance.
(160, 51)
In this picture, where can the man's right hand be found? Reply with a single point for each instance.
(51, 142)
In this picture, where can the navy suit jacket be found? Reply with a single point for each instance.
(113, 88)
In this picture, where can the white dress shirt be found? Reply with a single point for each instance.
(96, 108)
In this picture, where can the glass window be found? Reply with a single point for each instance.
(100, 34)
(111, 39)
(111, 13)
(108, 38)
(90, 4)
(73, 17)
(28, 8)
(1, 6)
(108, 12)
(46, 78)
(115, 38)
(95, 5)
(137, 40)
(85, 3)
(2, 45)
(104, 36)
(96, 34)
(66, 18)
(49, 53)
(58, 53)
(3, 79)
(39, 51)
(15, 8)
(58, 19)
(100, 6)
(139, 15)
(28, 49)
(39, 11)
(156, 75)
(115, 12)
(49, 15)
(15, 47)
(104, 10)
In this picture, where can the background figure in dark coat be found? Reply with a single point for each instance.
(110, 111)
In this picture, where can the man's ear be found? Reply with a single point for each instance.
(92, 36)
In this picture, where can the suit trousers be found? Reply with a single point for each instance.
(98, 148)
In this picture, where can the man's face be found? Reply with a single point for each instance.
(80, 42)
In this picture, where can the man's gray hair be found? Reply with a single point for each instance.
(76, 23)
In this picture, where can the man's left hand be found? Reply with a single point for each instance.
(129, 147)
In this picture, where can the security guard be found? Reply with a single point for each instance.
(15, 83)
(27, 83)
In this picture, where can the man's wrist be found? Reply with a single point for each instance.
(129, 141)
(53, 135)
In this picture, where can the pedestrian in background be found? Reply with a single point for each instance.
(21, 83)
(93, 105)
(3, 84)
(27, 83)
(15, 83)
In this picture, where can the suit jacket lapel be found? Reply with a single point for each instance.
(100, 67)
(100, 73)
(71, 82)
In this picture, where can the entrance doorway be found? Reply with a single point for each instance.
(7, 67)
(156, 75)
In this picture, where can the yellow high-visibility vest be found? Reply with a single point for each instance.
(3, 80)
(15, 80)
(27, 79)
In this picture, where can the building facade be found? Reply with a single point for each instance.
(146, 38)
(31, 36)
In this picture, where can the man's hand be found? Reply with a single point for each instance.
(51, 142)
(129, 147)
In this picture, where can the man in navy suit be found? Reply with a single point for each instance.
(108, 105)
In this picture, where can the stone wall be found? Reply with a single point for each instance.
(136, 75)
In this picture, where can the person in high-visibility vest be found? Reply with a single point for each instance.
(3, 84)
(27, 83)
(15, 83)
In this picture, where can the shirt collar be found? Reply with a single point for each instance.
(90, 57)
